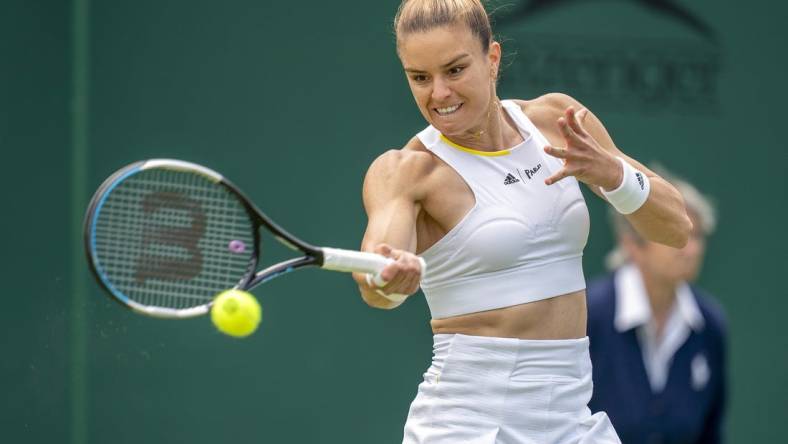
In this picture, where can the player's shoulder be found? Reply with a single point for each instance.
(548, 107)
(413, 159)
(403, 169)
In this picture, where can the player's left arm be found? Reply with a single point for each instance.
(590, 155)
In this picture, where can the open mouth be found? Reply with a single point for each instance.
(448, 110)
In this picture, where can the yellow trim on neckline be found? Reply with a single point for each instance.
(473, 151)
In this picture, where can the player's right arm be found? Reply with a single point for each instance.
(394, 188)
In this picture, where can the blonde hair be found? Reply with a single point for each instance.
(424, 15)
(697, 205)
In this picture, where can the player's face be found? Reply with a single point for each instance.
(451, 77)
(676, 264)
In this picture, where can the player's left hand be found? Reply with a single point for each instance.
(583, 157)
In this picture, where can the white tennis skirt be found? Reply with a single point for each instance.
(483, 390)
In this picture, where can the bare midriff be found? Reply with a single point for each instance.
(560, 317)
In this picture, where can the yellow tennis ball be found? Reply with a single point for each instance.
(236, 313)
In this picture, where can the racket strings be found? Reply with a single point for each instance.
(165, 238)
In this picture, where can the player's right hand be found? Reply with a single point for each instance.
(403, 275)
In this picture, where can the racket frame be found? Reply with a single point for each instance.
(328, 258)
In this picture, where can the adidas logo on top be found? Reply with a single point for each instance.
(510, 179)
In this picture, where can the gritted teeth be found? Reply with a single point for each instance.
(448, 109)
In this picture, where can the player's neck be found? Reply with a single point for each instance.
(496, 132)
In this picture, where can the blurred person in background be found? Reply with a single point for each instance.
(657, 342)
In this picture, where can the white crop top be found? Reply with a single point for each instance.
(521, 242)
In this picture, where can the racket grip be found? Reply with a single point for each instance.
(378, 281)
(337, 259)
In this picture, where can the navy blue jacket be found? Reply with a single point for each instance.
(679, 414)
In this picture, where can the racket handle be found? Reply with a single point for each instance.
(337, 259)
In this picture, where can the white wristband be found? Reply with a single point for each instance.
(633, 191)
(376, 281)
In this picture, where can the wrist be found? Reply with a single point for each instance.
(631, 193)
(617, 178)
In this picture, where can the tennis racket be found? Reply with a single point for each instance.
(164, 237)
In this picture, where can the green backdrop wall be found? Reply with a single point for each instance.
(301, 97)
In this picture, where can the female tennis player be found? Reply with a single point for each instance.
(488, 194)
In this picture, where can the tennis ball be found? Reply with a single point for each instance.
(236, 313)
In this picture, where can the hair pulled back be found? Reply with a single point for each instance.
(424, 15)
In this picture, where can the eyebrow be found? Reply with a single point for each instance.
(445, 65)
